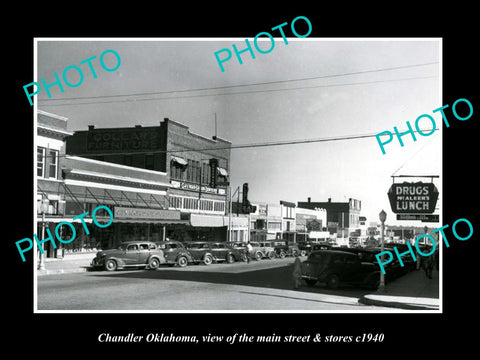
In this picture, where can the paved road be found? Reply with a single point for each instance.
(258, 286)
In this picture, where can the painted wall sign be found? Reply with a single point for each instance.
(123, 139)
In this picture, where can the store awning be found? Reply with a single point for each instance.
(179, 160)
(222, 171)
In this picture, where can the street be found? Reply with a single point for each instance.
(264, 285)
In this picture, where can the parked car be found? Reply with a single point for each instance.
(175, 253)
(263, 249)
(336, 267)
(239, 245)
(200, 251)
(306, 247)
(208, 252)
(223, 251)
(129, 254)
(285, 248)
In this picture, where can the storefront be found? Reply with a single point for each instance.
(137, 197)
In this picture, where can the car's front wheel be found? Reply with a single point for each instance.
(333, 281)
(303, 253)
(258, 255)
(111, 265)
(153, 263)
(182, 261)
(207, 260)
(282, 254)
(272, 255)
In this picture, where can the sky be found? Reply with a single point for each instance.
(310, 88)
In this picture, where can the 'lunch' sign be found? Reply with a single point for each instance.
(413, 198)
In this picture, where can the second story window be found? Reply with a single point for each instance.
(53, 164)
(40, 161)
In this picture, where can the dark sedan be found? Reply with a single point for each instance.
(208, 252)
(175, 253)
(339, 267)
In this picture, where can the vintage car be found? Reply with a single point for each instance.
(129, 254)
(335, 267)
(175, 253)
(285, 248)
(263, 249)
(208, 252)
(306, 247)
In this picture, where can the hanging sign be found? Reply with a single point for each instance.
(413, 198)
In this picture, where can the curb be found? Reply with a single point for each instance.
(394, 304)
(63, 271)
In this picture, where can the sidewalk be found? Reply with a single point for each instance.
(412, 291)
(69, 264)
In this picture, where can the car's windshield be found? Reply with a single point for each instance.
(122, 247)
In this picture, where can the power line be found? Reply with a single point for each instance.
(243, 92)
(241, 85)
(239, 146)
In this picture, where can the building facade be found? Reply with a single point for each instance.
(311, 225)
(196, 169)
(343, 218)
(68, 186)
(50, 147)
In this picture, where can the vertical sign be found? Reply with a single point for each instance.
(213, 172)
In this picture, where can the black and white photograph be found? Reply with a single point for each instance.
(214, 191)
(274, 182)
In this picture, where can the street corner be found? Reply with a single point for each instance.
(400, 302)
(413, 291)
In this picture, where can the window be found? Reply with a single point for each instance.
(52, 167)
(219, 206)
(190, 203)
(176, 202)
(143, 246)
(132, 247)
(52, 207)
(40, 161)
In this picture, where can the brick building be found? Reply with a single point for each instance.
(186, 160)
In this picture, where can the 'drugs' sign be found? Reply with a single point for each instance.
(413, 198)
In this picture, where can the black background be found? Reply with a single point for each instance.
(60, 335)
